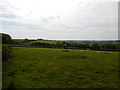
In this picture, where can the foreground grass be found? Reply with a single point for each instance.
(57, 68)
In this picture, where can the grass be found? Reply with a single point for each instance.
(44, 41)
(56, 68)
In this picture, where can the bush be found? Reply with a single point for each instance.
(6, 39)
(5, 51)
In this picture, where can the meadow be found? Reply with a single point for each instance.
(60, 68)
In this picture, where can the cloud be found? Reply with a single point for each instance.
(63, 19)
(12, 24)
(8, 16)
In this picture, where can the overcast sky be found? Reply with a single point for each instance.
(60, 19)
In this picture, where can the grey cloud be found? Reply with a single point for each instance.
(8, 16)
(91, 21)
(49, 18)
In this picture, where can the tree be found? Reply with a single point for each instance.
(6, 39)
(95, 46)
(26, 40)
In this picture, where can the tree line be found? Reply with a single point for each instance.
(103, 46)
(84, 45)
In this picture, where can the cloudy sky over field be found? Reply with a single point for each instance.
(60, 19)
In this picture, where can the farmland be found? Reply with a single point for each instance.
(60, 68)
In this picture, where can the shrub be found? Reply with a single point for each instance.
(6, 39)
(5, 51)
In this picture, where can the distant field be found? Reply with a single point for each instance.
(60, 68)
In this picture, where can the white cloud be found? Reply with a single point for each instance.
(61, 19)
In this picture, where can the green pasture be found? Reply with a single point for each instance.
(60, 68)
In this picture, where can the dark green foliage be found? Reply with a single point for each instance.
(6, 39)
(118, 47)
(103, 46)
(95, 46)
(26, 40)
(6, 48)
(6, 51)
(84, 45)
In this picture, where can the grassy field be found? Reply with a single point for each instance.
(59, 68)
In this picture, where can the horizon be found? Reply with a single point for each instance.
(66, 39)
